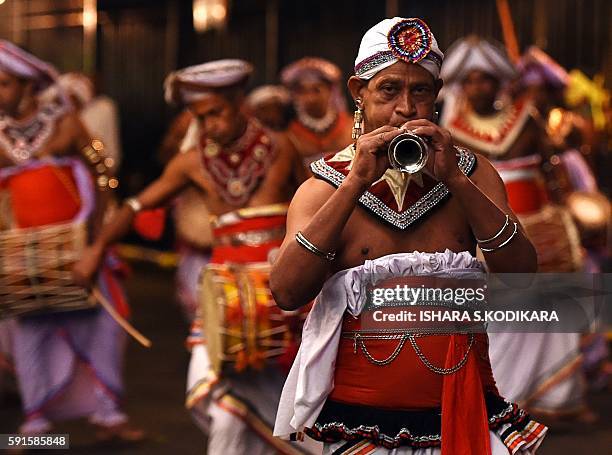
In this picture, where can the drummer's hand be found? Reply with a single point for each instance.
(442, 163)
(85, 269)
(371, 160)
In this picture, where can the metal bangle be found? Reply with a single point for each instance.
(329, 256)
(504, 243)
(498, 233)
(134, 204)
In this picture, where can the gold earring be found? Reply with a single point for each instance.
(357, 121)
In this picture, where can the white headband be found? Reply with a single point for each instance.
(192, 83)
(475, 54)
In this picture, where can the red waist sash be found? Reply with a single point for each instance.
(526, 196)
(406, 383)
(358, 381)
(248, 235)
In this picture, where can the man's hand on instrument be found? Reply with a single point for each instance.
(371, 160)
(85, 269)
(442, 162)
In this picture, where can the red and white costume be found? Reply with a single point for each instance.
(416, 400)
(67, 364)
(235, 405)
(548, 379)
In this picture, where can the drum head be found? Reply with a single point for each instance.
(591, 211)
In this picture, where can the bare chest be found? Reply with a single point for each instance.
(216, 195)
(368, 237)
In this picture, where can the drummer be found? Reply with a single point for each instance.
(322, 124)
(234, 164)
(548, 379)
(42, 149)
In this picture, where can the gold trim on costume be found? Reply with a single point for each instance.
(250, 212)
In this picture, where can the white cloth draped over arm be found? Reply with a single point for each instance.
(311, 377)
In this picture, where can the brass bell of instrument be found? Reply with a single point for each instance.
(408, 153)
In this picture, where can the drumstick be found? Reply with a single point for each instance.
(129, 328)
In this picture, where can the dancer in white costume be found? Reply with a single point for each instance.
(245, 175)
(68, 364)
(480, 115)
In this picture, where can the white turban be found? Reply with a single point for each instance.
(392, 40)
(475, 54)
(191, 84)
(269, 93)
(320, 69)
(310, 66)
(24, 65)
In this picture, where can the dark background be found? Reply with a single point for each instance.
(139, 41)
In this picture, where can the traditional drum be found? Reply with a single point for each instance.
(549, 227)
(249, 235)
(524, 182)
(49, 202)
(243, 326)
(591, 212)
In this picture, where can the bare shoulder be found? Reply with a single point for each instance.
(69, 118)
(311, 195)
(485, 173)
(185, 163)
(279, 139)
(486, 177)
(70, 135)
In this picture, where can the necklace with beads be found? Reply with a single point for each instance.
(22, 140)
(318, 125)
(238, 169)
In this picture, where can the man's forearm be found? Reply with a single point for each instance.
(115, 229)
(293, 287)
(486, 219)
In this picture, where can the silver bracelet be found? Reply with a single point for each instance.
(299, 237)
(134, 204)
(498, 234)
(504, 243)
